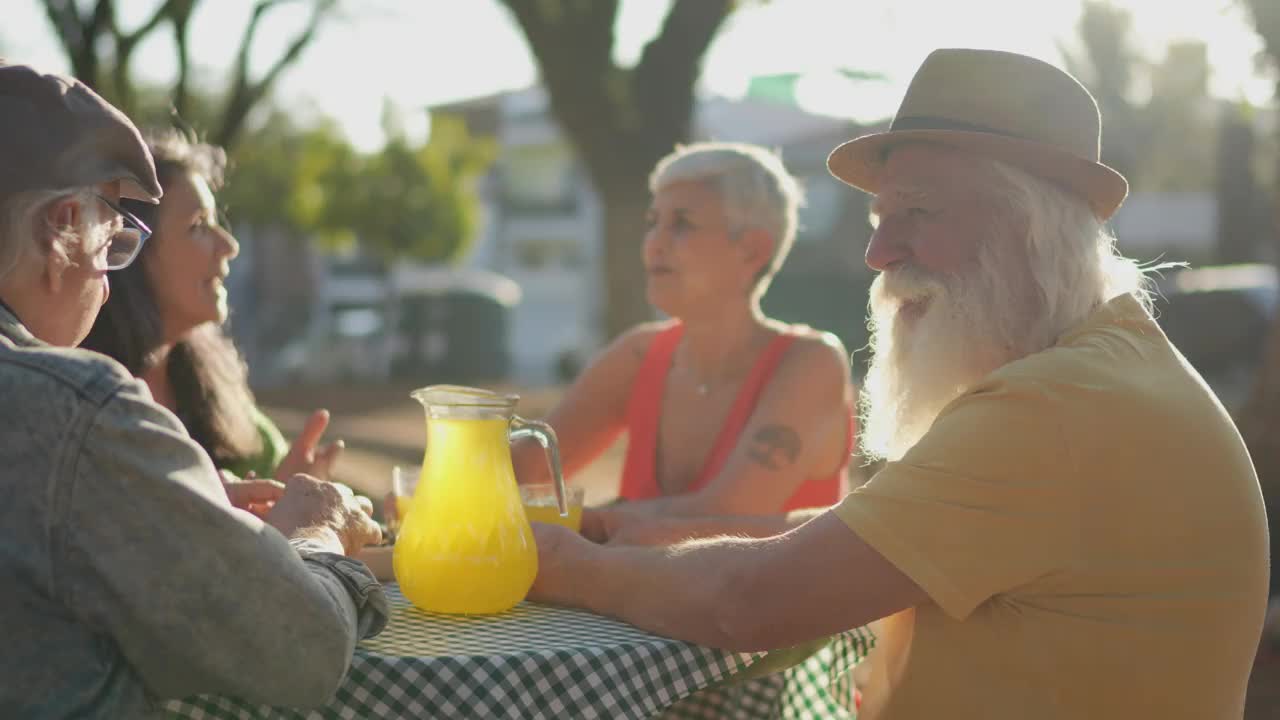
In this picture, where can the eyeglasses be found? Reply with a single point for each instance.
(125, 243)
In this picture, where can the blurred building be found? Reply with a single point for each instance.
(1181, 226)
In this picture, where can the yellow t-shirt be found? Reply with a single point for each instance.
(1089, 528)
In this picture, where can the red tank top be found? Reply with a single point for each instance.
(644, 410)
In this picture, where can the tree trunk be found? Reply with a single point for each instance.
(625, 203)
(181, 25)
(620, 121)
(1237, 191)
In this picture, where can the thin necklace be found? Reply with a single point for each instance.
(702, 388)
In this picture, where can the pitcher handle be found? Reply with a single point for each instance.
(546, 437)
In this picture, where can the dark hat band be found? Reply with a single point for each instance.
(929, 122)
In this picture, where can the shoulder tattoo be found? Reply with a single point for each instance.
(775, 446)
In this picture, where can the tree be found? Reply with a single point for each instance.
(621, 121)
(1108, 65)
(287, 177)
(101, 54)
(1266, 19)
(418, 202)
(1175, 143)
(1237, 189)
(404, 201)
(1161, 144)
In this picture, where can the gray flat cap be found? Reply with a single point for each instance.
(57, 133)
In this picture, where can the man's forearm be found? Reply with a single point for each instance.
(666, 531)
(678, 592)
(702, 505)
(742, 594)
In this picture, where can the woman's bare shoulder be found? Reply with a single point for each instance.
(811, 341)
(622, 357)
(603, 387)
(816, 354)
(635, 342)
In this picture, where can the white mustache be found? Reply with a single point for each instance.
(907, 284)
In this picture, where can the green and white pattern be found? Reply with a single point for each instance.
(537, 661)
(817, 685)
(534, 661)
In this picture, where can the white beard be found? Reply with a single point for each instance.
(971, 325)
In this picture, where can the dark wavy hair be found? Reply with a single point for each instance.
(208, 377)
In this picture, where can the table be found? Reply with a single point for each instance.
(816, 684)
(538, 661)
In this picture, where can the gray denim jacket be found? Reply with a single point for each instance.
(126, 578)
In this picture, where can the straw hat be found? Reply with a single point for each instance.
(1003, 106)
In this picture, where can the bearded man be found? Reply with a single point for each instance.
(1066, 514)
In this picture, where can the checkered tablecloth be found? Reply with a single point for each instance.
(818, 687)
(534, 661)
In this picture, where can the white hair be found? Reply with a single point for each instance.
(1073, 263)
(1047, 264)
(757, 190)
(24, 225)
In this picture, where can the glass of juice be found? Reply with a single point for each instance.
(540, 504)
(404, 480)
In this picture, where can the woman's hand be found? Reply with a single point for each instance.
(616, 525)
(251, 494)
(601, 524)
(305, 457)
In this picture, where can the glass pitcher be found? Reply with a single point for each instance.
(465, 545)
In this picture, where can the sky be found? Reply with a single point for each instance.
(415, 53)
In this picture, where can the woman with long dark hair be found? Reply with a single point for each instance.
(165, 315)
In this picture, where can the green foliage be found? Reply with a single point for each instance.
(1266, 19)
(405, 201)
(1107, 65)
(1110, 59)
(418, 202)
(1179, 123)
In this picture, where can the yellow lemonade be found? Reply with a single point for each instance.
(547, 512)
(465, 546)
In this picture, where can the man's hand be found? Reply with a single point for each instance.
(306, 456)
(562, 558)
(251, 494)
(324, 511)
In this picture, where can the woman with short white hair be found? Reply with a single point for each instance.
(727, 411)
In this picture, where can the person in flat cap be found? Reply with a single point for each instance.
(1066, 523)
(128, 576)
